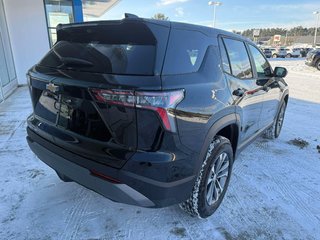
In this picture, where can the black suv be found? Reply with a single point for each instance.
(313, 59)
(152, 113)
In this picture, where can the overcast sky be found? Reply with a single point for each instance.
(232, 15)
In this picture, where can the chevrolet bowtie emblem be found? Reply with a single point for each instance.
(52, 88)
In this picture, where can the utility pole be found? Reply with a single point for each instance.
(214, 4)
(285, 41)
(316, 29)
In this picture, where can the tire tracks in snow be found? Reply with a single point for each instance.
(75, 215)
(291, 197)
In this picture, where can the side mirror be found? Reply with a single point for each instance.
(280, 72)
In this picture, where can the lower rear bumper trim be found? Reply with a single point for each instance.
(116, 192)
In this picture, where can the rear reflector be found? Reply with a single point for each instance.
(160, 102)
(104, 177)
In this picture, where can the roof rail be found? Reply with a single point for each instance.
(129, 15)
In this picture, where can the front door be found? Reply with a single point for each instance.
(269, 86)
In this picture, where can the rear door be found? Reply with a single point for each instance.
(246, 93)
(113, 59)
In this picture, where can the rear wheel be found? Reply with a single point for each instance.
(213, 180)
(318, 64)
(288, 55)
(274, 131)
(274, 55)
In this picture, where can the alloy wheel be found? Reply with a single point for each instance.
(217, 178)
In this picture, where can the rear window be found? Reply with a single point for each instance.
(185, 53)
(128, 49)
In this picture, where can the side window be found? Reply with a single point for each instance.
(224, 57)
(185, 53)
(239, 59)
(262, 66)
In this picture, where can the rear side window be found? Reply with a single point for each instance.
(125, 48)
(185, 52)
(239, 59)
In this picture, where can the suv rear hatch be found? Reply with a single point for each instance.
(110, 60)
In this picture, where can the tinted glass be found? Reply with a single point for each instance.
(127, 48)
(102, 58)
(185, 52)
(239, 59)
(262, 65)
(224, 57)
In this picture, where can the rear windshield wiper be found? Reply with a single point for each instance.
(75, 62)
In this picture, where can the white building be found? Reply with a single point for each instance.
(27, 30)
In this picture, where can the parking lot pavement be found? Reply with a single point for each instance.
(274, 191)
(304, 81)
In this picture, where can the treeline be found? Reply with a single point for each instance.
(267, 32)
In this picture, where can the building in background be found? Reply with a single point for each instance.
(28, 30)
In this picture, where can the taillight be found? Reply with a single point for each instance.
(125, 98)
(160, 102)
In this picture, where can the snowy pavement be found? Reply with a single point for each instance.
(274, 192)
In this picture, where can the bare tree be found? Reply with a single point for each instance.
(160, 16)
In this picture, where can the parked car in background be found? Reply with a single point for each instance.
(267, 52)
(313, 58)
(155, 118)
(278, 52)
(293, 52)
(303, 52)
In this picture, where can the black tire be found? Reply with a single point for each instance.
(63, 177)
(274, 131)
(197, 204)
(274, 56)
(318, 64)
(288, 55)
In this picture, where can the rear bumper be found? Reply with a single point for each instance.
(133, 189)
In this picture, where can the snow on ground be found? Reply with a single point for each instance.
(274, 191)
(304, 81)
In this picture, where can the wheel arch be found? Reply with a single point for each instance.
(227, 126)
(284, 98)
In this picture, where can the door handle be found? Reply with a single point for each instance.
(238, 92)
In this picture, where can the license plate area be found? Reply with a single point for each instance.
(72, 113)
(81, 117)
(67, 108)
(47, 107)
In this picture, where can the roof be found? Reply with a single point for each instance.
(209, 31)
